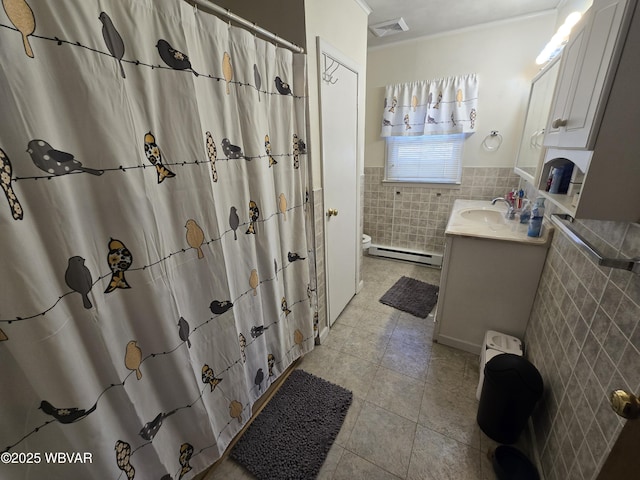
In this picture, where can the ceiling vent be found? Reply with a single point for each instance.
(389, 27)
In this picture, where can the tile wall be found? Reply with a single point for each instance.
(584, 337)
(415, 217)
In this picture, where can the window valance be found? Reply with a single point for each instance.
(431, 107)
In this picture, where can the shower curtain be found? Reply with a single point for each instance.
(154, 263)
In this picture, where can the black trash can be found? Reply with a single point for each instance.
(511, 388)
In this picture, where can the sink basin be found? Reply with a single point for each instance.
(478, 218)
(484, 215)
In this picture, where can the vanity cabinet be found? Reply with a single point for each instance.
(586, 73)
(597, 95)
(486, 285)
(490, 275)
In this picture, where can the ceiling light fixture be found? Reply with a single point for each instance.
(558, 41)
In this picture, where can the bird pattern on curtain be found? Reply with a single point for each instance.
(155, 272)
(431, 107)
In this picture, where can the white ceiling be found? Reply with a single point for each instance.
(430, 17)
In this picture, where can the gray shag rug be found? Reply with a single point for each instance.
(412, 296)
(291, 437)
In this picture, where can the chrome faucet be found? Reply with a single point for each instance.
(511, 212)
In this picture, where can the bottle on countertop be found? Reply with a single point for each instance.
(537, 214)
(525, 213)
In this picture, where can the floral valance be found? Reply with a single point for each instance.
(431, 107)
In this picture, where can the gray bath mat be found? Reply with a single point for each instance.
(412, 296)
(291, 437)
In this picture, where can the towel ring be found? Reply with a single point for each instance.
(495, 139)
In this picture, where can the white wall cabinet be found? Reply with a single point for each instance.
(586, 74)
(597, 96)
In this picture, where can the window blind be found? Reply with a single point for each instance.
(425, 159)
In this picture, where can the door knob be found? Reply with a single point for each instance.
(625, 404)
(332, 212)
(559, 122)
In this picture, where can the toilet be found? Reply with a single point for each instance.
(496, 343)
(366, 242)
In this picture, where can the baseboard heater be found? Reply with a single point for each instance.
(431, 259)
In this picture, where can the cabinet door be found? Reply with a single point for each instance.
(586, 74)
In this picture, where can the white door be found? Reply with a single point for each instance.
(339, 112)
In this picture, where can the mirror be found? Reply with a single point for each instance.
(531, 149)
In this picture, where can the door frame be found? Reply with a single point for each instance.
(325, 48)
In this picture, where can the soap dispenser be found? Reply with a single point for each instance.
(537, 214)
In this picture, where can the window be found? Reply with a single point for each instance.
(425, 159)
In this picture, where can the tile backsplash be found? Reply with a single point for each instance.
(584, 337)
(415, 216)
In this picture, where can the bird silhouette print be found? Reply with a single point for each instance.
(437, 104)
(234, 221)
(3, 336)
(459, 97)
(302, 147)
(133, 358)
(257, 79)
(258, 330)
(154, 155)
(55, 162)
(21, 15)
(235, 410)
(282, 87)
(112, 40)
(472, 117)
(414, 103)
(407, 126)
(254, 281)
(227, 70)
(292, 257)
(6, 172)
(296, 151)
(232, 151)
(298, 338)
(78, 277)
(208, 377)
(242, 341)
(174, 58)
(150, 429)
(267, 148)
(212, 154)
(65, 415)
(258, 379)
(284, 307)
(195, 236)
(119, 259)
(123, 456)
(429, 99)
(254, 214)
(218, 307)
(271, 361)
(394, 103)
(282, 205)
(183, 331)
(186, 451)
(453, 120)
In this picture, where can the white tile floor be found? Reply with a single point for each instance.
(413, 415)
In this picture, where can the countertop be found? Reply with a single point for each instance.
(507, 230)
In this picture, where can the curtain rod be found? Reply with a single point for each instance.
(208, 5)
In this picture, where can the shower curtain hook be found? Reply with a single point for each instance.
(229, 16)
